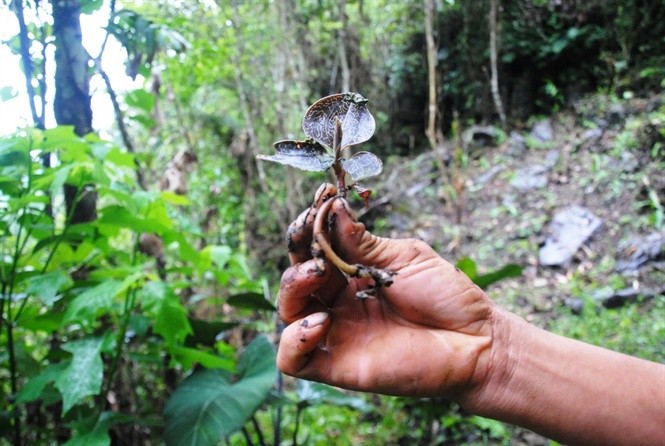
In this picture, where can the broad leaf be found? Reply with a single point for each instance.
(305, 155)
(350, 109)
(188, 357)
(206, 332)
(46, 286)
(362, 165)
(207, 406)
(32, 390)
(505, 272)
(83, 376)
(469, 267)
(94, 430)
(313, 394)
(251, 301)
(92, 302)
(159, 300)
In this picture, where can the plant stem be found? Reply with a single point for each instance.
(339, 171)
(321, 248)
(296, 428)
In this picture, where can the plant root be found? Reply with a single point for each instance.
(321, 250)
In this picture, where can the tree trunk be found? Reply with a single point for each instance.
(494, 9)
(72, 95)
(341, 47)
(432, 109)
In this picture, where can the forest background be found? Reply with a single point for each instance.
(139, 260)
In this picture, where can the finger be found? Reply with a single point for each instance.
(348, 236)
(297, 290)
(299, 233)
(299, 340)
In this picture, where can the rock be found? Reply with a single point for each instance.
(639, 250)
(568, 230)
(591, 135)
(480, 136)
(576, 305)
(542, 131)
(551, 159)
(487, 176)
(516, 144)
(530, 177)
(616, 114)
(611, 298)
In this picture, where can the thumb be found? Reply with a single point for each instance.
(299, 341)
(351, 240)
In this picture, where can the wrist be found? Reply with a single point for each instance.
(496, 374)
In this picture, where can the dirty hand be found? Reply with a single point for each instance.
(428, 334)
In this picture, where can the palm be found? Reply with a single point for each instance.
(377, 344)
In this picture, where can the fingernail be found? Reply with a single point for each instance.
(314, 320)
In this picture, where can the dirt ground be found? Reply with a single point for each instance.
(607, 156)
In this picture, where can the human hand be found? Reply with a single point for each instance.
(428, 334)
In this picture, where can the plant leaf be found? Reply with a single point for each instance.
(160, 302)
(207, 407)
(251, 301)
(505, 272)
(305, 155)
(315, 394)
(350, 108)
(83, 376)
(46, 286)
(362, 165)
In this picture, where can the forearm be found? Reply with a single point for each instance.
(570, 391)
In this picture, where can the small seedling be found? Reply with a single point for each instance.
(332, 124)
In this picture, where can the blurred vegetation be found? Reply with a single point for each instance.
(139, 325)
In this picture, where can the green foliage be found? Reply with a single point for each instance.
(633, 329)
(468, 267)
(209, 406)
(89, 286)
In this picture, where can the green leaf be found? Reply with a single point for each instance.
(251, 301)
(505, 272)
(32, 390)
(314, 394)
(188, 357)
(46, 286)
(92, 302)
(175, 199)
(304, 155)
(207, 407)
(321, 118)
(90, 6)
(206, 332)
(159, 300)
(468, 267)
(140, 99)
(7, 93)
(219, 254)
(93, 430)
(60, 177)
(362, 165)
(83, 376)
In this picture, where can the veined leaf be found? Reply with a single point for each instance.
(46, 286)
(350, 108)
(159, 300)
(83, 376)
(207, 406)
(32, 390)
(305, 155)
(362, 165)
(251, 301)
